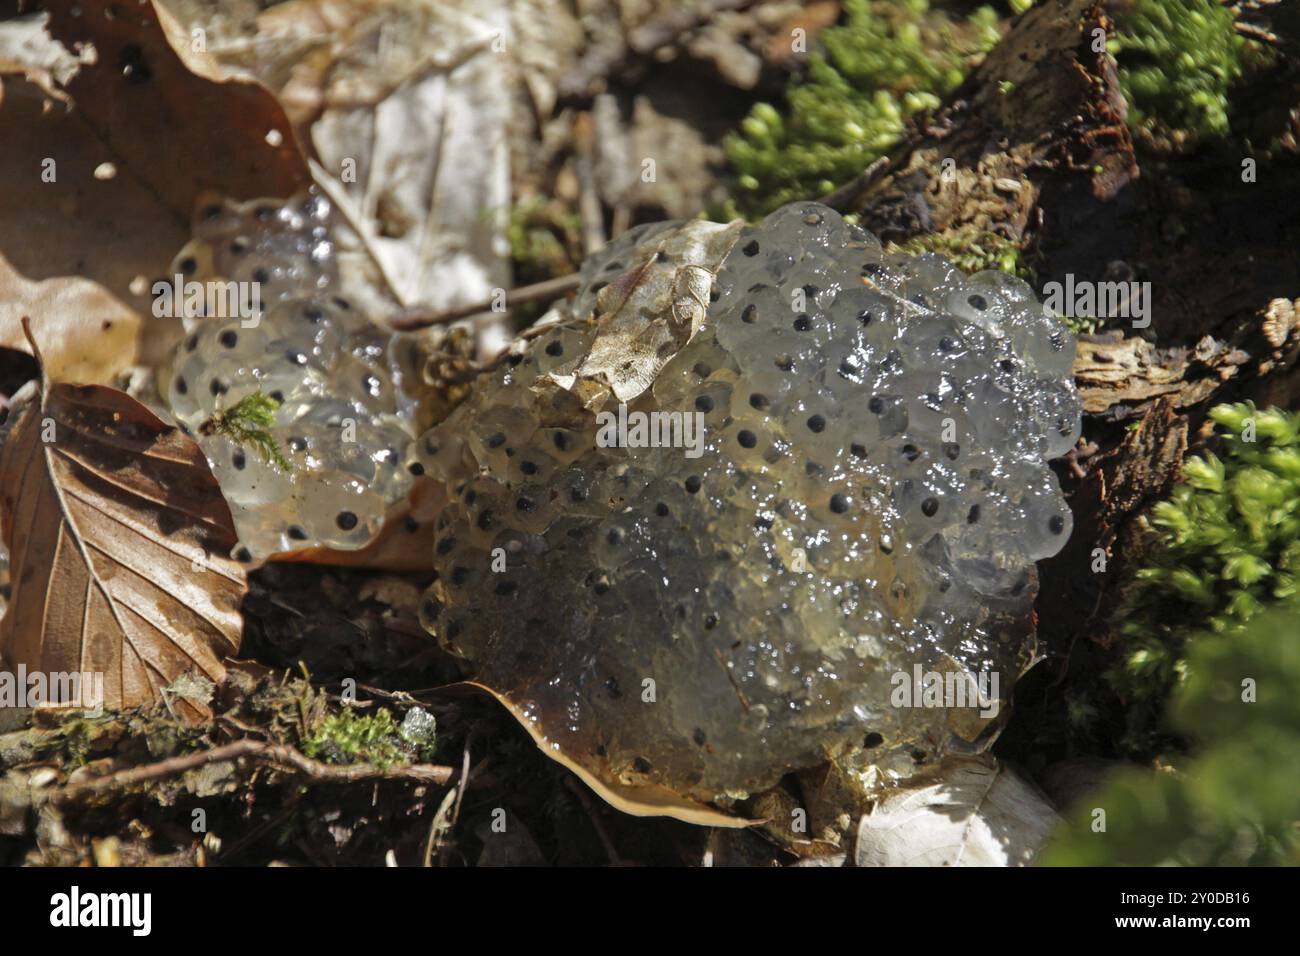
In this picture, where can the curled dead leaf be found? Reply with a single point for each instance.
(650, 800)
(650, 312)
(120, 539)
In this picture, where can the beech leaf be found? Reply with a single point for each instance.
(120, 540)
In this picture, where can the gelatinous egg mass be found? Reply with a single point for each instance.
(259, 286)
(861, 505)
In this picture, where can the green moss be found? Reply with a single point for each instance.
(1235, 801)
(543, 236)
(887, 62)
(248, 422)
(1228, 545)
(970, 250)
(350, 736)
(1177, 62)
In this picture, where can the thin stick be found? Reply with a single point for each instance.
(843, 197)
(438, 824)
(459, 790)
(589, 207)
(334, 192)
(464, 780)
(279, 755)
(40, 359)
(1253, 32)
(421, 318)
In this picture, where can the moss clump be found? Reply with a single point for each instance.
(887, 62)
(1177, 61)
(971, 250)
(1229, 544)
(1235, 801)
(350, 736)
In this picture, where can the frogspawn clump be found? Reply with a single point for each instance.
(868, 496)
(324, 366)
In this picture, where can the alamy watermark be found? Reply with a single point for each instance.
(133, 911)
(651, 430)
(83, 690)
(948, 689)
(191, 299)
(1102, 300)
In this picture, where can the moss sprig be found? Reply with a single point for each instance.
(1178, 60)
(247, 423)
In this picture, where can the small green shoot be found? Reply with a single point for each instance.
(248, 422)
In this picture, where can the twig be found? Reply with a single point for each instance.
(278, 755)
(1257, 33)
(422, 318)
(461, 784)
(438, 825)
(334, 192)
(464, 780)
(846, 195)
(589, 208)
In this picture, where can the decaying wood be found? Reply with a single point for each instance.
(1041, 108)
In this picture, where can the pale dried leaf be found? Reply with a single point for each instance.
(971, 812)
(92, 336)
(416, 109)
(26, 47)
(651, 311)
(407, 105)
(120, 540)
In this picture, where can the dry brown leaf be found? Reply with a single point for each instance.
(92, 336)
(120, 541)
(184, 132)
(157, 135)
(109, 232)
